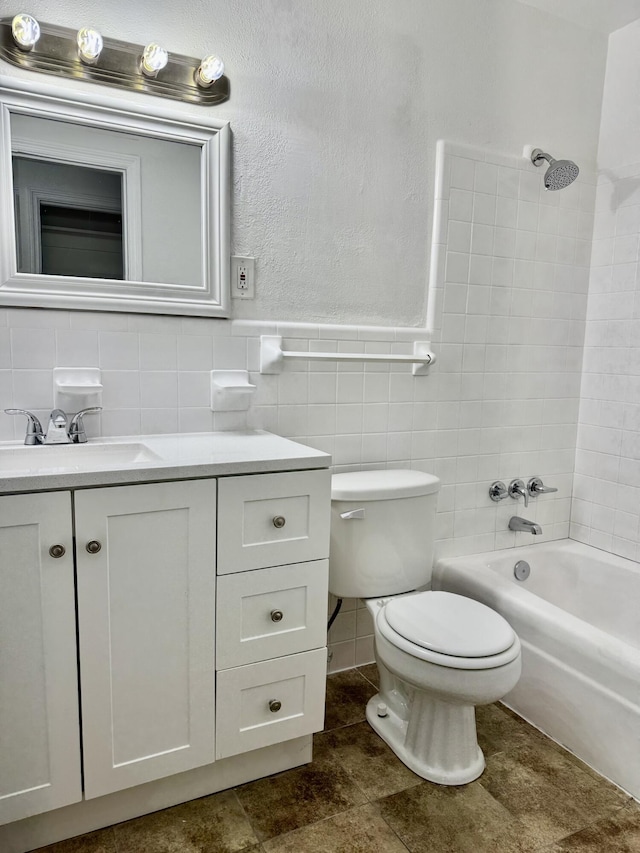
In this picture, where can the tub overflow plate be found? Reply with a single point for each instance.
(522, 570)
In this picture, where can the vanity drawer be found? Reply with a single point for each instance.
(271, 519)
(269, 702)
(267, 613)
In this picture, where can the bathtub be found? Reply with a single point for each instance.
(578, 619)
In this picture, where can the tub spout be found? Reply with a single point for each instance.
(517, 523)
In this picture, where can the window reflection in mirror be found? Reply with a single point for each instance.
(69, 219)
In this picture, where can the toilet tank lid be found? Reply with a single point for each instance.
(382, 485)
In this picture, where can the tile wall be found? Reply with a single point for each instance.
(606, 506)
(507, 306)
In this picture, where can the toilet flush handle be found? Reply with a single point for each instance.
(354, 513)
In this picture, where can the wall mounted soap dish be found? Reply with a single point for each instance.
(76, 388)
(231, 390)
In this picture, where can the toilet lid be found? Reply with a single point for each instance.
(450, 624)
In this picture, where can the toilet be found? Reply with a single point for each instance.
(439, 654)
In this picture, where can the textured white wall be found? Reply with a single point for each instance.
(336, 108)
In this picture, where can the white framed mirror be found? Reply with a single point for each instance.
(111, 207)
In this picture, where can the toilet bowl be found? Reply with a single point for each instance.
(439, 654)
(430, 695)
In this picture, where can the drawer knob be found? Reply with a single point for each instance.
(277, 615)
(57, 551)
(275, 705)
(93, 547)
(279, 521)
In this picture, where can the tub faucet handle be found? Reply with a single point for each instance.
(498, 491)
(517, 490)
(535, 486)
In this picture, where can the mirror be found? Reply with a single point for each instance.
(110, 209)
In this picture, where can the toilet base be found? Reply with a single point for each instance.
(437, 741)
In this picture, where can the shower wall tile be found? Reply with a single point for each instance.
(606, 510)
(507, 306)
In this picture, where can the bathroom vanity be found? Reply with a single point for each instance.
(162, 623)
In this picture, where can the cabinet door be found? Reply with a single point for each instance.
(39, 730)
(146, 605)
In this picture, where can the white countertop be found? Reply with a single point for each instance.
(149, 458)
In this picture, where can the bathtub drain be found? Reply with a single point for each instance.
(522, 570)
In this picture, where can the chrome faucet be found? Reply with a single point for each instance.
(59, 430)
(517, 523)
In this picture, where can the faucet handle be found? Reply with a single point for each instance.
(77, 432)
(517, 490)
(34, 433)
(535, 487)
(498, 491)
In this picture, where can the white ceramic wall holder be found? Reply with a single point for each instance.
(231, 390)
(76, 388)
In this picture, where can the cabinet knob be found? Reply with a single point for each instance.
(275, 705)
(276, 615)
(279, 521)
(57, 551)
(93, 547)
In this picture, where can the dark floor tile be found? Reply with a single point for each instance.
(547, 791)
(215, 824)
(295, 798)
(372, 765)
(500, 730)
(619, 833)
(432, 818)
(360, 830)
(347, 695)
(370, 672)
(102, 841)
(535, 734)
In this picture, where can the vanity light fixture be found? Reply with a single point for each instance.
(25, 31)
(90, 44)
(85, 55)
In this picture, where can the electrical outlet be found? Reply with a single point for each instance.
(243, 277)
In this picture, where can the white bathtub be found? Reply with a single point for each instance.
(578, 618)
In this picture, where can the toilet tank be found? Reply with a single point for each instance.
(382, 532)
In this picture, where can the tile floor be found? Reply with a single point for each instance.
(356, 797)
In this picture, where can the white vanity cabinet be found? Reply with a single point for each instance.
(158, 641)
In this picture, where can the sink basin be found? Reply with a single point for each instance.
(59, 458)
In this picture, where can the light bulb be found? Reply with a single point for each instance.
(211, 69)
(25, 31)
(154, 59)
(90, 45)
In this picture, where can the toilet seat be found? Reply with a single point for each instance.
(449, 630)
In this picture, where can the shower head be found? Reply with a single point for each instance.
(560, 173)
